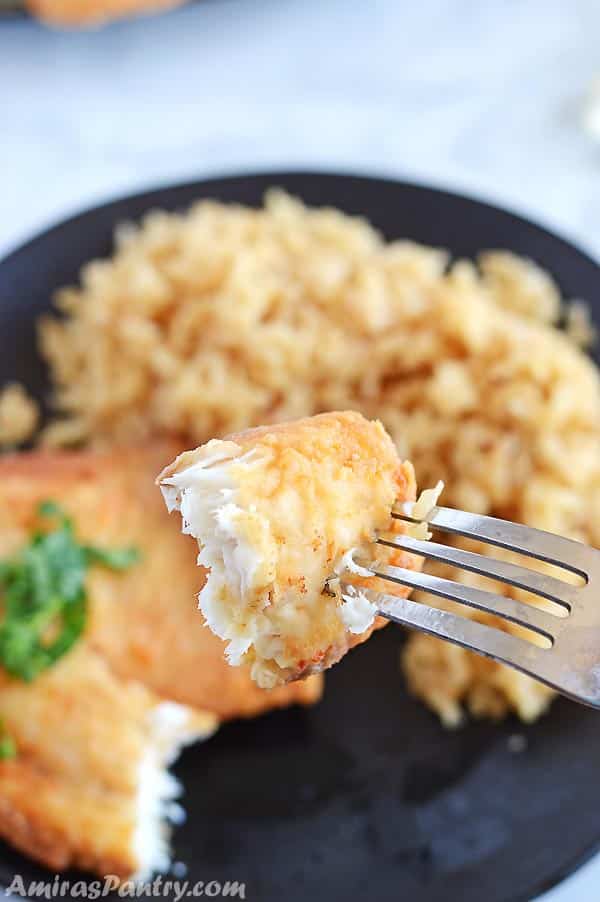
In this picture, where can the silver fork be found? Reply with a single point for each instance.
(571, 663)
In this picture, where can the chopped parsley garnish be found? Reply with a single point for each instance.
(43, 597)
(8, 748)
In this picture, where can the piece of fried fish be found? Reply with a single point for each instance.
(89, 786)
(95, 734)
(279, 513)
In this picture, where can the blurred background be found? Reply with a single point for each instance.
(493, 98)
(497, 99)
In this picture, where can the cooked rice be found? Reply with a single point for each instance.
(19, 415)
(579, 326)
(225, 317)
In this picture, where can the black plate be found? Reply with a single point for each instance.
(365, 796)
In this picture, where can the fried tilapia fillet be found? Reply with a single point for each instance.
(279, 513)
(95, 734)
(145, 621)
(89, 786)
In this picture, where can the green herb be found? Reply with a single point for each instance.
(43, 595)
(8, 749)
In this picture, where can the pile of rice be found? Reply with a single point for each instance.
(227, 317)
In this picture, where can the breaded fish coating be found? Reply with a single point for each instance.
(279, 513)
(89, 786)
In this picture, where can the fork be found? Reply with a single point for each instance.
(570, 662)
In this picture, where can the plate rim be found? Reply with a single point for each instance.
(473, 198)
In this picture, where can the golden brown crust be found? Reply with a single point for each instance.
(313, 436)
(70, 795)
(79, 722)
(340, 474)
(60, 825)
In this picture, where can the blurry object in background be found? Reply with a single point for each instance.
(93, 13)
(590, 110)
(88, 784)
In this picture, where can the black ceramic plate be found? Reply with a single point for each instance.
(365, 796)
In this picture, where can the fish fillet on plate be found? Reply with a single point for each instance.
(89, 786)
(280, 513)
(145, 621)
(95, 734)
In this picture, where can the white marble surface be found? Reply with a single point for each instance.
(478, 96)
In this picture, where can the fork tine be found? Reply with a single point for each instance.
(527, 615)
(541, 663)
(544, 546)
(491, 642)
(538, 583)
